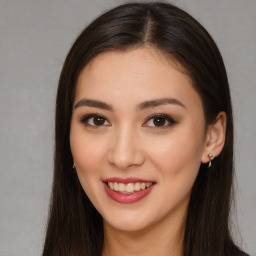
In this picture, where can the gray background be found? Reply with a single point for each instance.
(34, 39)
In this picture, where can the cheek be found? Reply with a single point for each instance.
(88, 156)
(178, 154)
(177, 162)
(87, 153)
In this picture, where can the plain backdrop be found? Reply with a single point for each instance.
(35, 37)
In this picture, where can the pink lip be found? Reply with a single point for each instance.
(127, 180)
(127, 198)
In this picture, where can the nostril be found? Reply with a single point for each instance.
(124, 160)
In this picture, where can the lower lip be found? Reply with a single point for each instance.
(127, 198)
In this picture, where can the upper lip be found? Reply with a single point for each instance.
(127, 180)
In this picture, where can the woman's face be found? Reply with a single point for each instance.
(137, 138)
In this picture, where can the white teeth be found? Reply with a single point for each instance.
(137, 186)
(111, 185)
(128, 188)
(121, 187)
(116, 187)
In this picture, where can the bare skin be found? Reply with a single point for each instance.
(154, 240)
(136, 114)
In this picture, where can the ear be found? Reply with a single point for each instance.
(215, 137)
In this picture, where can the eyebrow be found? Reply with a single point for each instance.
(141, 106)
(159, 102)
(93, 103)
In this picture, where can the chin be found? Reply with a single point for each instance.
(127, 225)
(132, 220)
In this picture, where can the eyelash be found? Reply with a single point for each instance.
(84, 120)
(166, 118)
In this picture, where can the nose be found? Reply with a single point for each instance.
(126, 150)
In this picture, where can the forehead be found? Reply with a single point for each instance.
(136, 60)
(139, 74)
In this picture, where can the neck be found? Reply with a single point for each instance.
(165, 239)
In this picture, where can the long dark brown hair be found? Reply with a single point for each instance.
(75, 227)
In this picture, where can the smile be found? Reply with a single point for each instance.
(128, 188)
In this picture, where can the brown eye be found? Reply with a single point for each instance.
(98, 120)
(159, 121)
(95, 120)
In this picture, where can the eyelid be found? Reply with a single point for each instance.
(85, 118)
(161, 115)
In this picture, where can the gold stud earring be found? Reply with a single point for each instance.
(211, 157)
(74, 165)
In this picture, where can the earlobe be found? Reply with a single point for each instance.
(215, 137)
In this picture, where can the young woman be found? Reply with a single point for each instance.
(144, 140)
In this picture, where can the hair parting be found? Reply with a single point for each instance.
(74, 226)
